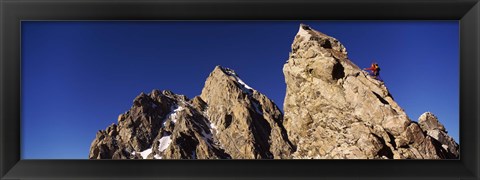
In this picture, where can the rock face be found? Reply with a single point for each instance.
(158, 125)
(228, 120)
(248, 124)
(433, 128)
(333, 110)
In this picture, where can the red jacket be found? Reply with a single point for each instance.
(372, 68)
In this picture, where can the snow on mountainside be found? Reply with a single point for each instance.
(229, 123)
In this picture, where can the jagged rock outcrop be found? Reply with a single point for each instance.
(159, 125)
(433, 128)
(229, 120)
(333, 109)
(248, 124)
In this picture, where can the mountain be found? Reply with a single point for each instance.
(229, 120)
(333, 110)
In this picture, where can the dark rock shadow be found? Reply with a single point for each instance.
(338, 71)
(380, 98)
(385, 151)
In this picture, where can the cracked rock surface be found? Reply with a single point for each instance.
(335, 110)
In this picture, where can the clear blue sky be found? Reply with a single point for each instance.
(77, 77)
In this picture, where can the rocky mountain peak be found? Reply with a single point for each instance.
(307, 37)
(223, 78)
(428, 121)
(236, 108)
(333, 110)
(228, 120)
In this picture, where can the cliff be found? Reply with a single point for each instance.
(333, 109)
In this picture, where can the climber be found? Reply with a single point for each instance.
(375, 70)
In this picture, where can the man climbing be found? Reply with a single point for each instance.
(375, 70)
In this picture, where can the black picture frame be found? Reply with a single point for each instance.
(12, 12)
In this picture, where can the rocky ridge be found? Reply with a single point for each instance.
(333, 110)
(228, 120)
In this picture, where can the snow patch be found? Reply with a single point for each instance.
(213, 128)
(247, 89)
(164, 143)
(243, 83)
(157, 156)
(209, 137)
(145, 153)
(173, 115)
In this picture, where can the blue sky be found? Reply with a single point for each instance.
(77, 77)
